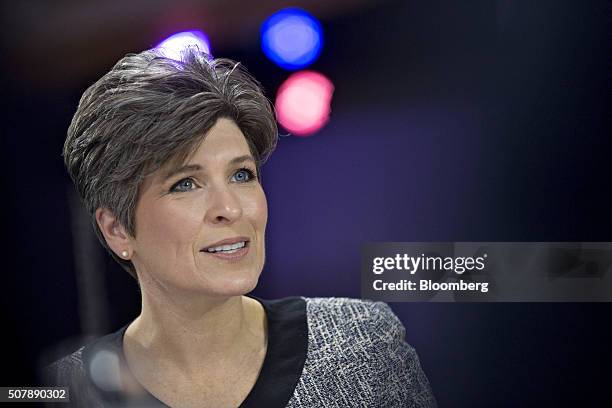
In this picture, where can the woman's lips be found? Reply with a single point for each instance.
(231, 257)
(228, 241)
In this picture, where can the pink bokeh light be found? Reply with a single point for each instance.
(303, 102)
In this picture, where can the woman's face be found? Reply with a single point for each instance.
(182, 213)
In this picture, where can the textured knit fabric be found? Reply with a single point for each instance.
(355, 356)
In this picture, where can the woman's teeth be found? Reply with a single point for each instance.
(228, 249)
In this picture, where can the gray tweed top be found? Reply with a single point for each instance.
(322, 352)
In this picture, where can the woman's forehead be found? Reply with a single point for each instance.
(224, 139)
(224, 144)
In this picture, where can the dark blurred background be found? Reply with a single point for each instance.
(451, 121)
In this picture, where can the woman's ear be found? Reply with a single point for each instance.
(115, 234)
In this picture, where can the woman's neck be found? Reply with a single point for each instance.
(197, 336)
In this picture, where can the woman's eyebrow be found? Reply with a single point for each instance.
(196, 167)
(240, 159)
(182, 169)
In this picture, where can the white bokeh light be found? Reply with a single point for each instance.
(172, 46)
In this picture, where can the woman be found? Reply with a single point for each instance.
(166, 156)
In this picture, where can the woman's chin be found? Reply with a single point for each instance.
(235, 286)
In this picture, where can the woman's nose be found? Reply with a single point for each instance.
(224, 206)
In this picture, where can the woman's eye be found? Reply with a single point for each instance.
(185, 184)
(243, 175)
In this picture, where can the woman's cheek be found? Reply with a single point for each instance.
(257, 208)
(170, 224)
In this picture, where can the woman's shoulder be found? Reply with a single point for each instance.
(353, 319)
(73, 366)
(351, 310)
(357, 349)
(65, 369)
(92, 366)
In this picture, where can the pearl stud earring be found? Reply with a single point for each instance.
(124, 254)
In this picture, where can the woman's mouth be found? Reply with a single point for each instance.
(229, 252)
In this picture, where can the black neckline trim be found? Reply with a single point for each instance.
(281, 370)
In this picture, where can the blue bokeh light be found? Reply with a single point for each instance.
(292, 38)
